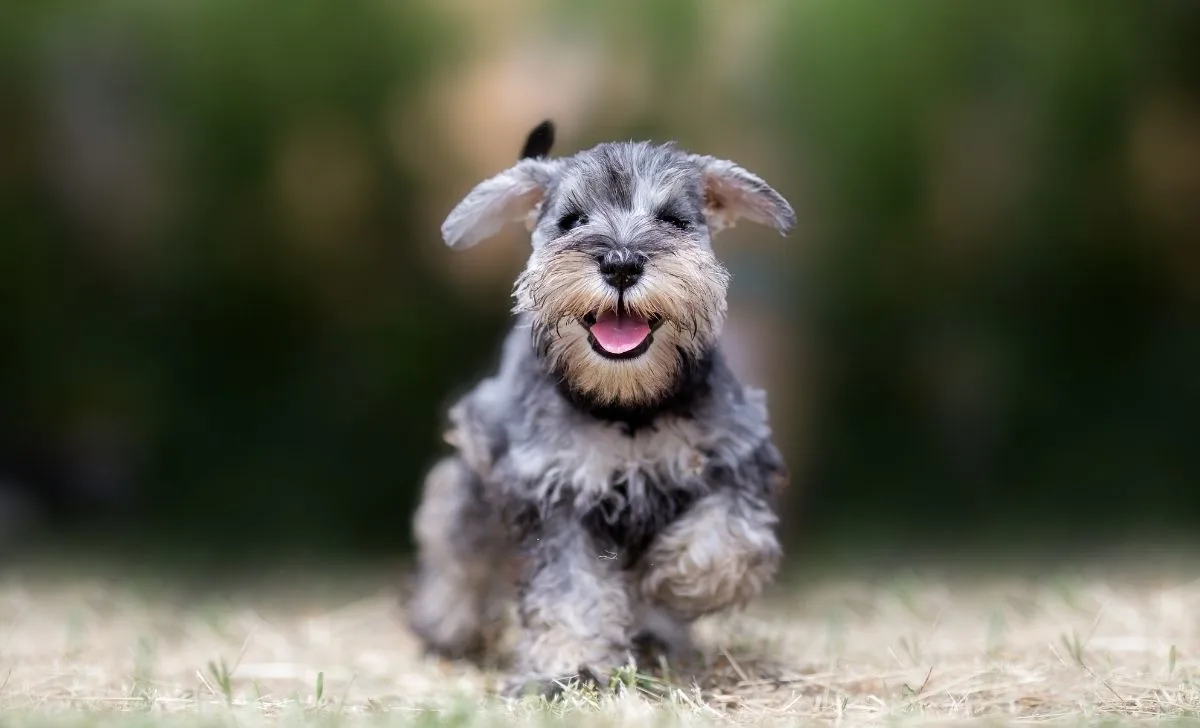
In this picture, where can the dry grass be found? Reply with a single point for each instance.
(904, 650)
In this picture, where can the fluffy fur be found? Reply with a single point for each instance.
(635, 493)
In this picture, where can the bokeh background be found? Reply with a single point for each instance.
(229, 329)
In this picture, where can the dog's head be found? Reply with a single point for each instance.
(623, 288)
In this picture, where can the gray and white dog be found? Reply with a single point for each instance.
(614, 456)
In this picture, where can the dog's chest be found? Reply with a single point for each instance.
(627, 488)
(601, 462)
(624, 489)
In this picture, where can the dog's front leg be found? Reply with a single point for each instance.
(718, 555)
(574, 607)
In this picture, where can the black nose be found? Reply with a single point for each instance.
(621, 268)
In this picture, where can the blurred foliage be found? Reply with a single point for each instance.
(202, 285)
(1011, 341)
(209, 258)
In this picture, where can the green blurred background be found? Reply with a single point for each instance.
(228, 326)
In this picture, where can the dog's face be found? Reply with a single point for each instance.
(623, 288)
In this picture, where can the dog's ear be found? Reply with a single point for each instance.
(512, 195)
(732, 193)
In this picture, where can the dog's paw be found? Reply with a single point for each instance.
(652, 649)
(468, 646)
(649, 648)
(551, 688)
(472, 652)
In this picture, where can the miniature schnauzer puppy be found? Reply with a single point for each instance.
(614, 456)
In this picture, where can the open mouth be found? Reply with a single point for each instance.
(618, 334)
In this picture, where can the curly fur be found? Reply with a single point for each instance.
(636, 494)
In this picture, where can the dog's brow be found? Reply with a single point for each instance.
(575, 199)
(670, 192)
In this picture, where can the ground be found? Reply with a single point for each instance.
(898, 649)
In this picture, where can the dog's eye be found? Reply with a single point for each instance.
(673, 220)
(572, 220)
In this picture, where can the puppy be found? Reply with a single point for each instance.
(613, 453)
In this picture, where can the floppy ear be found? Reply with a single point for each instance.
(732, 193)
(512, 195)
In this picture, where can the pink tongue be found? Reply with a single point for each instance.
(619, 334)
